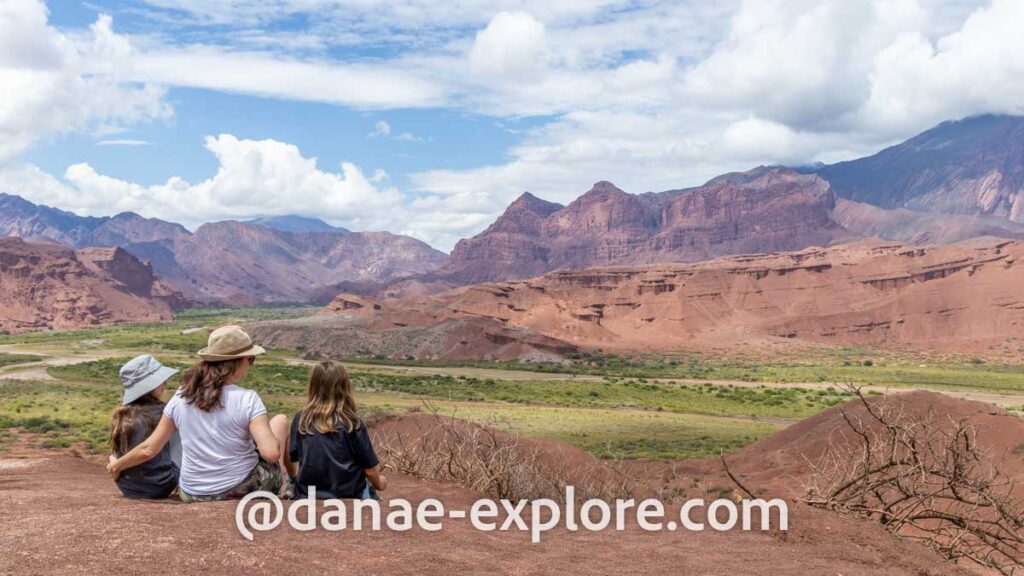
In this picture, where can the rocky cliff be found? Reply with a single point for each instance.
(45, 285)
(133, 275)
(964, 296)
(765, 209)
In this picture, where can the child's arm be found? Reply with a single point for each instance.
(145, 451)
(379, 481)
(291, 467)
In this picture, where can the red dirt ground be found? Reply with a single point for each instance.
(61, 515)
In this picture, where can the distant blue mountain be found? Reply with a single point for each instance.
(973, 166)
(298, 224)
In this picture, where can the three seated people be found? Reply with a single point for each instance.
(214, 439)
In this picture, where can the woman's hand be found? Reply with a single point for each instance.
(113, 469)
(145, 451)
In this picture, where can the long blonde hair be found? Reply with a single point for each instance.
(330, 402)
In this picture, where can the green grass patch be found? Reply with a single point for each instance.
(845, 366)
(705, 398)
(156, 338)
(622, 419)
(11, 359)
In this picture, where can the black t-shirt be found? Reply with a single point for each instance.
(332, 462)
(155, 478)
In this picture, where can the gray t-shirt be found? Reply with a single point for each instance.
(218, 451)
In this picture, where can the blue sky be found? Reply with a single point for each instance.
(427, 118)
(444, 138)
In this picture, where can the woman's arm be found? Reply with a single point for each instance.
(266, 443)
(379, 481)
(145, 451)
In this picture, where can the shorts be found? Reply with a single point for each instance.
(265, 476)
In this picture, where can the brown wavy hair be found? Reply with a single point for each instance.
(201, 384)
(125, 417)
(330, 403)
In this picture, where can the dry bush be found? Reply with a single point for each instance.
(479, 457)
(924, 477)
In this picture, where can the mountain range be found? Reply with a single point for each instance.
(267, 260)
(959, 180)
(964, 296)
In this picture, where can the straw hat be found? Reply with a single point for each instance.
(142, 375)
(229, 343)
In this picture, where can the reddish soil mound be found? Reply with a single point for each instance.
(462, 338)
(961, 297)
(429, 431)
(62, 515)
(49, 286)
(782, 462)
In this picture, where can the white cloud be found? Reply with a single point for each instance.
(511, 46)
(253, 178)
(359, 85)
(878, 66)
(381, 129)
(123, 142)
(378, 16)
(55, 84)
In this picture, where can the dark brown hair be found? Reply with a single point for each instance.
(202, 383)
(125, 417)
(330, 402)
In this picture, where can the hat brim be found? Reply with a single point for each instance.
(148, 384)
(255, 350)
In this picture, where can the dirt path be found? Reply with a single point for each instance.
(62, 515)
(37, 370)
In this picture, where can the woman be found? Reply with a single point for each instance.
(218, 422)
(329, 447)
(143, 380)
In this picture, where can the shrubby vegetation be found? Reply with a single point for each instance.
(612, 405)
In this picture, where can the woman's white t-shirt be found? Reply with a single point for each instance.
(217, 450)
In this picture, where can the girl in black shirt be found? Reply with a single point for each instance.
(329, 447)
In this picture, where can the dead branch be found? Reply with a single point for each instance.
(924, 478)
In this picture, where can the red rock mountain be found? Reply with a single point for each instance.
(137, 277)
(234, 262)
(766, 209)
(240, 263)
(45, 285)
(964, 297)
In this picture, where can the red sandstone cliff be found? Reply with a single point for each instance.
(46, 285)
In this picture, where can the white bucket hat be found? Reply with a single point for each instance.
(142, 375)
(229, 343)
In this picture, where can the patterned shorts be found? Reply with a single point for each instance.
(265, 476)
